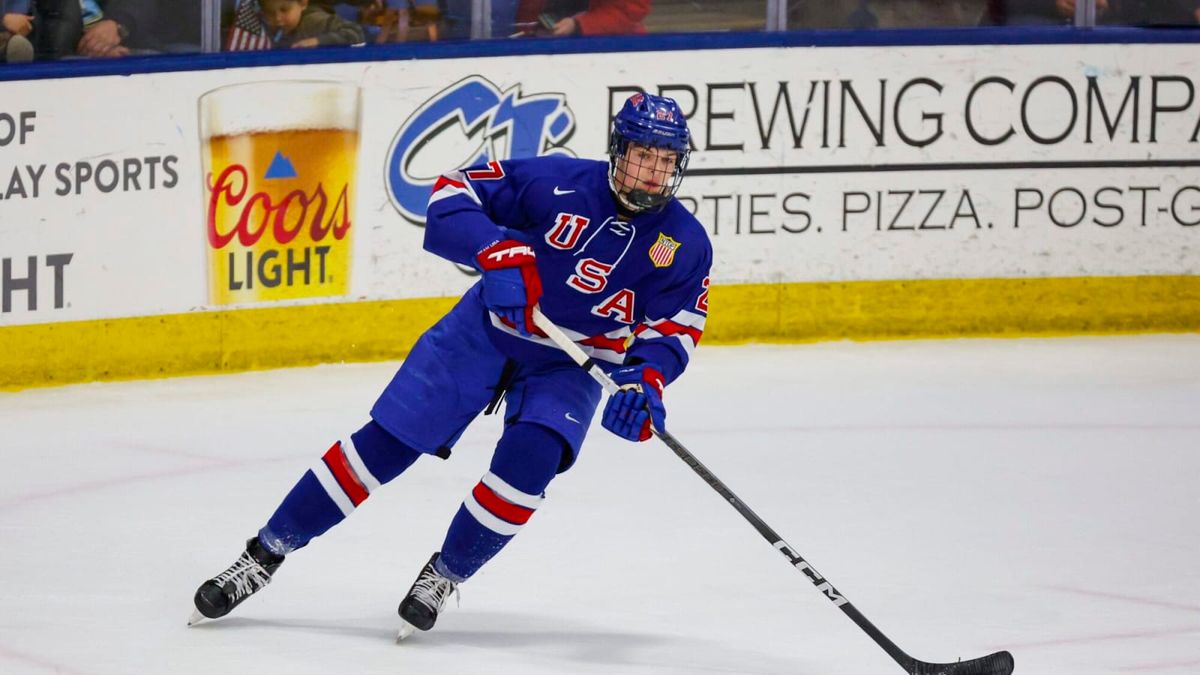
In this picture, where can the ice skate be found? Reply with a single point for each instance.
(246, 576)
(420, 607)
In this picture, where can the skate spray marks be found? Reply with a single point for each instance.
(7, 654)
(1137, 600)
(77, 489)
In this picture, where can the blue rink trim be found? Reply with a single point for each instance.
(1015, 35)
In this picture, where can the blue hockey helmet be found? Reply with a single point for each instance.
(655, 122)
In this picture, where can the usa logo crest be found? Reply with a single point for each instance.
(662, 253)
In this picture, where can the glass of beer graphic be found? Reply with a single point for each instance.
(279, 161)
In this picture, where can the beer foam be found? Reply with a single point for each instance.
(258, 107)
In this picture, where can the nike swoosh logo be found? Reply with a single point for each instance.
(558, 192)
(572, 419)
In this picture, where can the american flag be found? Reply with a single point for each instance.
(247, 32)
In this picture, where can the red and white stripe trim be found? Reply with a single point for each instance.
(453, 184)
(499, 506)
(608, 347)
(687, 327)
(344, 476)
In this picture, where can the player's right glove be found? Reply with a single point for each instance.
(630, 412)
(511, 285)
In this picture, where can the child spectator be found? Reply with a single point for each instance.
(294, 24)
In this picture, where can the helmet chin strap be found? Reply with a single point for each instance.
(643, 200)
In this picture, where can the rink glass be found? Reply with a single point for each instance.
(279, 164)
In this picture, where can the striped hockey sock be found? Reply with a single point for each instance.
(526, 459)
(336, 484)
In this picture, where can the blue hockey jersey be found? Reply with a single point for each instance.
(622, 288)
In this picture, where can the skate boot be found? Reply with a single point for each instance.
(420, 607)
(246, 576)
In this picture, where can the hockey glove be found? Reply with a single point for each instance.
(630, 412)
(511, 285)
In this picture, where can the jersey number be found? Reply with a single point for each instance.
(493, 172)
(702, 303)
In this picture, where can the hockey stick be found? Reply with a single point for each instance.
(1000, 663)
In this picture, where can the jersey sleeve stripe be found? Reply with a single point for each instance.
(670, 328)
(450, 185)
(604, 342)
(687, 318)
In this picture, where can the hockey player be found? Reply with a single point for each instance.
(613, 258)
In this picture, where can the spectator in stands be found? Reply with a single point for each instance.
(16, 27)
(52, 26)
(122, 27)
(331, 5)
(565, 18)
(870, 14)
(1151, 12)
(296, 24)
(15, 48)
(16, 17)
(1108, 12)
(402, 20)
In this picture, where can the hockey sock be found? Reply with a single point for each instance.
(526, 459)
(336, 484)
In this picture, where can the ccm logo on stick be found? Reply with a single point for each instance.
(802, 565)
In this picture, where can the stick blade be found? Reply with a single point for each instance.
(1000, 663)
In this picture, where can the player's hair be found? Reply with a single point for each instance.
(652, 121)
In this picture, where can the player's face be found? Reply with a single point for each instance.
(646, 168)
(283, 14)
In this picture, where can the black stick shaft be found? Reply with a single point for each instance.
(1000, 663)
(788, 552)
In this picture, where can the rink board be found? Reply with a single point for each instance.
(1001, 189)
(251, 339)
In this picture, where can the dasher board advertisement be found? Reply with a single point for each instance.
(197, 191)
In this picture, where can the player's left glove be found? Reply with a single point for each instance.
(511, 285)
(630, 412)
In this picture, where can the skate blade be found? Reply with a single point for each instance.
(196, 618)
(406, 629)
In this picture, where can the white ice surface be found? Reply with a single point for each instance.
(1041, 496)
